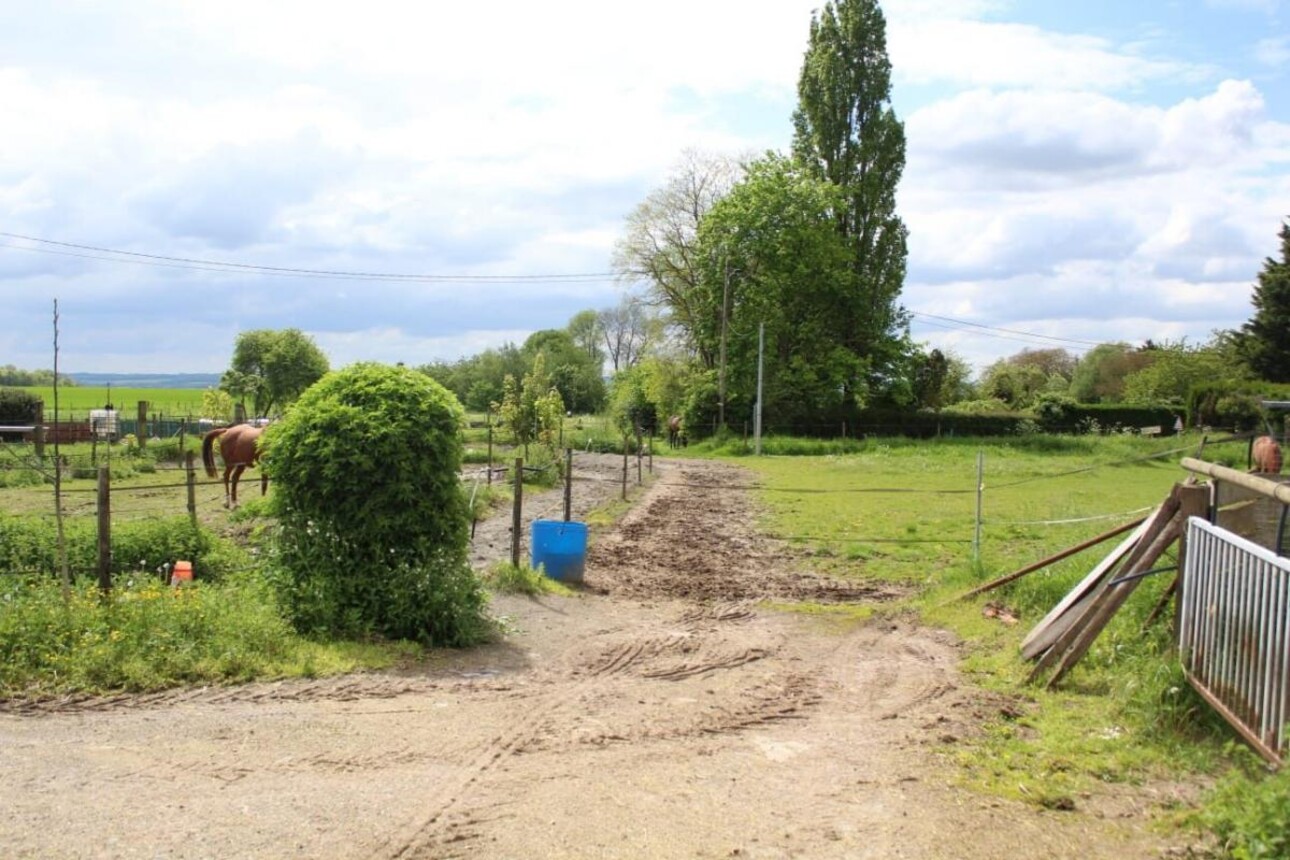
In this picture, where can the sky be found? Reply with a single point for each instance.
(1077, 172)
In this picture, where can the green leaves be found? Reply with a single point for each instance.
(373, 527)
(272, 368)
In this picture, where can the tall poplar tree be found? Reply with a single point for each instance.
(1265, 339)
(846, 132)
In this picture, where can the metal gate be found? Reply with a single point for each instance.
(1234, 633)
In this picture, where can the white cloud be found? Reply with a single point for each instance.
(976, 53)
(1053, 185)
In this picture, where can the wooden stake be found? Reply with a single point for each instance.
(1052, 559)
(1078, 613)
(568, 484)
(1112, 599)
(517, 511)
(105, 530)
(192, 486)
(141, 425)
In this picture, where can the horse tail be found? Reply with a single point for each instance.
(208, 450)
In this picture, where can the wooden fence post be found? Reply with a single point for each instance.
(490, 451)
(105, 530)
(626, 445)
(39, 435)
(192, 486)
(141, 425)
(568, 484)
(640, 479)
(517, 511)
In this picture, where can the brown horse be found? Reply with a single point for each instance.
(238, 448)
(675, 432)
(1266, 455)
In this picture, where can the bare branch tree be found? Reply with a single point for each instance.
(626, 331)
(660, 243)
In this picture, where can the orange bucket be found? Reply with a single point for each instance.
(183, 572)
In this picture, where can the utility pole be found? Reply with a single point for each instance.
(725, 318)
(761, 348)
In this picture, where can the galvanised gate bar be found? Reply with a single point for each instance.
(1234, 633)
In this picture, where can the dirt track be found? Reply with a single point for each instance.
(662, 713)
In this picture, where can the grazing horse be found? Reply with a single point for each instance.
(675, 432)
(238, 448)
(1266, 455)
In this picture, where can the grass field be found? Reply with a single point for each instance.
(75, 401)
(904, 512)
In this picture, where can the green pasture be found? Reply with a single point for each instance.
(903, 512)
(906, 511)
(76, 401)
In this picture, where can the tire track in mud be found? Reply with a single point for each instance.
(692, 538)
(345, 688)
(585, 702)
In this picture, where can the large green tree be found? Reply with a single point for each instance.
(273, 367)
(1176, 367)
(772, 257)
(585, 329)
(1265, 339)
(572, 372)
(845, 132)
(1099, 376)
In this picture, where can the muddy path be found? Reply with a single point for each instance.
(666, 711)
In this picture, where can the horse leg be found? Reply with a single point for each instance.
(264, 482)
(237, 475)
(227, 470)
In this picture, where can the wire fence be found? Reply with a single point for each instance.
(193, 494)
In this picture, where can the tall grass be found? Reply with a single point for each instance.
(145, 636)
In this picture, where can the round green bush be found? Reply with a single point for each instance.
(373, 529)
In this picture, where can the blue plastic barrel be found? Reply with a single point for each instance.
(560, 549)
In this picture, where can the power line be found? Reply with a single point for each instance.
(988, 329)
(96, 252)
(116, 255)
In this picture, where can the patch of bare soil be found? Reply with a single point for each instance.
(664, 712)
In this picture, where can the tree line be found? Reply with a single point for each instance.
(790, 266)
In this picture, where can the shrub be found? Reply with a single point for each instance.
(18, 406)
(372, 526)
(145, 636)
(30, 544)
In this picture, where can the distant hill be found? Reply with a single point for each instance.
(147, 380)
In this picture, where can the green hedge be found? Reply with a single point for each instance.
(17, 408)
(1232, 405)
(1113, 417)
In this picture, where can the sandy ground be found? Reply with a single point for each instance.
(664, 712)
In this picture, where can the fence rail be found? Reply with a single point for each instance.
(1234, 633)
